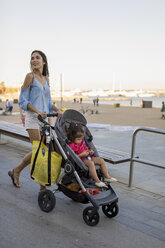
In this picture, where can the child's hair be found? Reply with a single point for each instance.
(75, 130)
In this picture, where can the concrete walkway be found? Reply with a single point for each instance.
(140, 222)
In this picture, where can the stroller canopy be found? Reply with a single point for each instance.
(68, 116)
(73, 115)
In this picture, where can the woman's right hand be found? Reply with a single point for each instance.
(43, 115)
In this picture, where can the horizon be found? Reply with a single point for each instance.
(94, 44)
(111, 87)
(96, 89)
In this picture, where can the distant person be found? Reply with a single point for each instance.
(163, 110)
(80, 100)
(94, 101)
(1, 108)
(22, 115)
(131, 101)
(7, 101)
(9, 106)
(76, 133)
(35, 99)
(97, 101)
(55, 104)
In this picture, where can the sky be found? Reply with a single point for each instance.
(94, 44)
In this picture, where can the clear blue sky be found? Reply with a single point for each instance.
(91, 42)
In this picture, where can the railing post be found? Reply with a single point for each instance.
(132, 161)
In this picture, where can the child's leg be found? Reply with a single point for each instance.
(104, 170)
(92, 169)
(103, 166)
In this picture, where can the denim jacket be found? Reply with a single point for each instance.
(37, 95)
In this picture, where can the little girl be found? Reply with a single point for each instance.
(76, 134)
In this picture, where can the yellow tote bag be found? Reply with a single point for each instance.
(45, 164)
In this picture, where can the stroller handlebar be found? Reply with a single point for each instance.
(52, 115)
(48, 115)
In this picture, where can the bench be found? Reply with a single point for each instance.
(113, 156)
(14, 131)
(19, 132)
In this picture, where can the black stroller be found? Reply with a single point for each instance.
(76, 182)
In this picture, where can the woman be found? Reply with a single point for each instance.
(35, 99)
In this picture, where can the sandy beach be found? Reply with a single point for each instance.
(105, 114)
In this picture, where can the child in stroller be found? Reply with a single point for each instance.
(77, 174)
(76, 133)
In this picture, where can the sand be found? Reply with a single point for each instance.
(106, 114)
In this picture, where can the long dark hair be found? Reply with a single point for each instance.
(75, 130)
(45, 71)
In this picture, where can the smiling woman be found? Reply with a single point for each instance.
(35, 99)
(36, 61)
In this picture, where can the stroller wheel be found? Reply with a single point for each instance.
(46, 200)
(110, 210)
(91, 216)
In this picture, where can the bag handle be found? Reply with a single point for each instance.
(49, 165)
(35, 158)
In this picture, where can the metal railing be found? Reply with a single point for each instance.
(135, 159)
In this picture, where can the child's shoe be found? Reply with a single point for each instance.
(110, 180)
(101, 185)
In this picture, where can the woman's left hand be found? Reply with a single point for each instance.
(59, 112)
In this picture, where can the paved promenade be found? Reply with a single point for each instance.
(139, 224)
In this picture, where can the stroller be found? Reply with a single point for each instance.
(76, 182)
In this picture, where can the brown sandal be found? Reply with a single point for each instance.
(14, 178)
